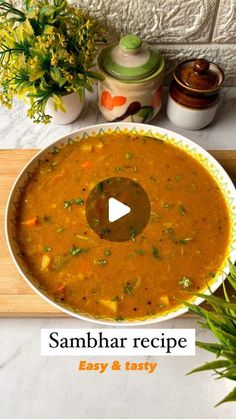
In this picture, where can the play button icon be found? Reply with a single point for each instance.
(118, 209)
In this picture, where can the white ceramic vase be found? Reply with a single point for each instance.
(73, 105)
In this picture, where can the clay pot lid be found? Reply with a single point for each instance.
(130, 60)
(199, 75)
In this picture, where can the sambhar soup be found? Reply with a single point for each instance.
(182, 247)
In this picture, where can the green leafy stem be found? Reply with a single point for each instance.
(221, 321)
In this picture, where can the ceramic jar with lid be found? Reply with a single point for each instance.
(194, 94)
(132, 78)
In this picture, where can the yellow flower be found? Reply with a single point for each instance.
(24, 32)
(21, 61)
(54, 59)
(44, 54)
(35, 70)
(7, 38)
(24, 90)
(48, 30)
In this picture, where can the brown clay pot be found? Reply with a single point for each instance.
(195, 87)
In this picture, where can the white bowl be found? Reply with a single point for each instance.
(190, 147)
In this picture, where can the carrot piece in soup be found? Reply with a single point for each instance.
(86, 164)
(31, 222)
(60, 292)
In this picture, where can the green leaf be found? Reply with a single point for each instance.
(226, 338)
(213, 300)
(6, 8)
(221, 363)
(232, 276)
(68, 203)
(95, 75)
(47, 11)
(232, 269)
(129, 288)
(230, 355)
(231, 397)
(107, 252)
(206, 314)
(221, 320)
(60, 4)
(229, 373)
(79, 201)
(57, 76)
(132, 234)
(27, 4)
(215, 348)
(194, 309)
(225, 293)
(146, 112)
(182, 210)
(75, 251)
(155, 253)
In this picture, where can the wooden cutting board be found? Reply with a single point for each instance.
(16, 297)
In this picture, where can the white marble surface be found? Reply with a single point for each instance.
(35, 387)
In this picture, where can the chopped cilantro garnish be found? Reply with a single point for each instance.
(75, 251)
(185, 282)
(182, 210)
(155, 253)
(47, 249)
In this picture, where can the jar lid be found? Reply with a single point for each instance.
(130, 59)
(199, 75)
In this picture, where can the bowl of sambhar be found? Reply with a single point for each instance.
(184, 248)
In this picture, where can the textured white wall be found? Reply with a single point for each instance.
(179, 28)
(157, 21)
